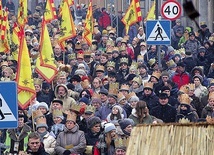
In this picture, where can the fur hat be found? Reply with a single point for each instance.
(93, 121)
(43, 104)
(109, 127)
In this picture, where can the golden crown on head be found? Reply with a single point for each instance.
(140, 57)
(71, 117)
(211, 95)
(134, 65)
(191, 86)
(124, 87)
(120, 96)
(124, 60)
(130, 95)
(80, 55)
(61, 74)
(156, 74)
(122, 48)
(37, 81)
(72, 56)
(109, 50)
(113, 88)
(176, 52)
(110, 43)
(36, 114)
(76, 107)
(115, 49)
(111, 64)
(182, 51)
(184, 120)
(184, 89)
(170, 63)
(95, 95)
(211, 38)
(138, 79)
(65, 68)
(41, 120)
(57, 112)
(100, 68)
(185, 99)
(151, 62)
(121, 142)
(90, 108)
(87, 53)
(148, 85)
(85, 84)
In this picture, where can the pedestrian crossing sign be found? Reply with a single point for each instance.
(8, 105)
(158, 32)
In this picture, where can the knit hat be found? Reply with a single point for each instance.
(119, 108)
(109, 127)
(75, 78)
(93, 121)
(198, 76)
(84, 99)
(125, 122)
(134, 99)
(165, 88)
(43, 104)
(45, 85)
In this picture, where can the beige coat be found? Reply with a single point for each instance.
(49, 143)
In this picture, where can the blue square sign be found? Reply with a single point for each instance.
(8, 105)
(158, 32)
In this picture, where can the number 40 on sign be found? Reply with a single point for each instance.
(171, 10)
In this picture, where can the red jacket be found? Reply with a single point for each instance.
(181, 79)
(104, 20)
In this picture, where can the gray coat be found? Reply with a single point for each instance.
(73, 137)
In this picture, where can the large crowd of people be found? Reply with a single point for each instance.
(103, 90)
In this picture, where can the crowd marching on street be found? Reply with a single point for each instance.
(102, 86)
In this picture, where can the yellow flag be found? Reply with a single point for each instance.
(132, 15)
(67, 27)
(1, 14)
(22, 13)
(5, 34)
(15, 44)
(50, 11)
(45, 65)
(24, 78)
(70, 2)
(88, 30)
(151, 13)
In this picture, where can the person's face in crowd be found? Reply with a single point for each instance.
(87, 59)
(111, 100)
(197, 82)
(79, 60)
(133, 104)
(73, 62)
(96, 105)
(202, 54)
(143, 48)
(84, 93)
(115, 54)
(20, 122)
(211, 42)
(141, 32)
(142, 71)
(103, 59)
(206, 45)
(154, 80)
(37, 88)
(120, 152)
(123, 52)
(179, 34)
(211, 102)
(57, 120)
(85, 46)
(42, 109)
(115, 110)
(133, 71)
(87, 115)
(42, 129)
(100, 75)
(191, 92)
(96, 83)
(165, 78)
(97, 56)
(134, 42)
(124, 92)
(36, 47)
(183, 107)
(211, 89)
(110, 56)
(111, 79)
(128, 128)
(163, 101)
(70, 125)
(104, 39)
(123, 66)
(82, 104)
(110, 68)
(140, 62)
(56, 106)
(103, 97)
(119, 44)
(135, 85)
(96, 128)
(122, 102)
(167, 92)
(147, 91)
(62, 80)
(180, 69)
(34, 144)
(57, 50)
(46, 90)
(192, 37)
(177, 59)
(153, 48)
(113, 134)
(6, 73)
(197, 72)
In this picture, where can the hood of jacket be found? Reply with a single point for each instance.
(56, 90)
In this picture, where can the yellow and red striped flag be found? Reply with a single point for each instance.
(67, 27)
(1, 14)
(5, 34)
(132, 15)
(45, 65)
(70, 2)
(151, 13)
(50, 11)
(89, 26)
(22, 13)
(24, 78)
(15, 44)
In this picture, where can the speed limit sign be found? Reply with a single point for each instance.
(171, 10)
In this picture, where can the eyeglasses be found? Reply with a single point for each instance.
(97, 54)
(32, 143)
